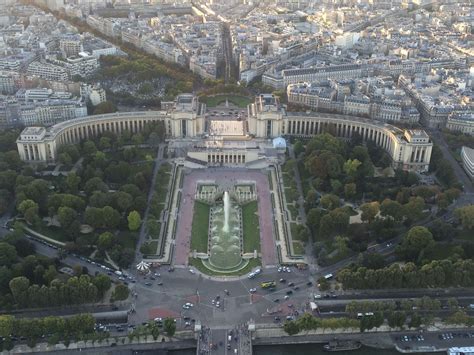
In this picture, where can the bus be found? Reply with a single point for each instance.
(268, 284)
(328, 276)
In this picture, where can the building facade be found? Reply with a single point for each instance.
(39, 144)
(467, 156)
(410, 149)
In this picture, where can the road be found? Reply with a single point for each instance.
(227, 51)
(438, 138)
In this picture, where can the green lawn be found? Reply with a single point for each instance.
(199, 232)
(213, 101)
(298, 248)
(251, 227)
(197, 263)
(50, 232)
(293, 211)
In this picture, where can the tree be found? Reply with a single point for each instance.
(154, 330)
(390, 208)
(291, 328)
(65, 158)
(350, 190)
(72, 182)
(323, 284)
(94, 217)
(27, 204)
(298, 147)
(123, 200)
(8, 254)
(413, 210)
(369, 211)
(95, 184)
(134, 220)
(350, 167)
(415, 321)
(66, 216)
(313, 218)
(102, 282)
(89, 148)
(459, 317)
(19, 289)
(105, 241)
(105, 107)
(111, 217)
(329, 201)
(396, 319)
(417, 240)
(466, 215)
(169, 326)
(327, 142)
(105, 143)
(120, 293)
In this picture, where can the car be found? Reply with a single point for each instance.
(318, 296)
(326, 296)
(309, 283)
(251, 275)
(276, 300)
(286, 297)
(333, 296)
(289, 292)
(296, 288)
(186, 306)
(157, 274)
(192, 271)
(282, 280)
(253, 290)
(218, 298)
(291, 284)
(147, 283)
(189, 304)
(159, 283)
(290, 317)
(171, 269)
(152, 278)
(280, 269)
(277, 319)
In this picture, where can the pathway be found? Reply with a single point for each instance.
(279, 215)
(302, 213)
(141, 236)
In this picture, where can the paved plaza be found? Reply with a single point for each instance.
(225, 176)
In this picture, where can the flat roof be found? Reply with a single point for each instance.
(31, 131)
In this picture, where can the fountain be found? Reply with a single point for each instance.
(225, 234)
(225, 228)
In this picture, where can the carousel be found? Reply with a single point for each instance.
(143, 267)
